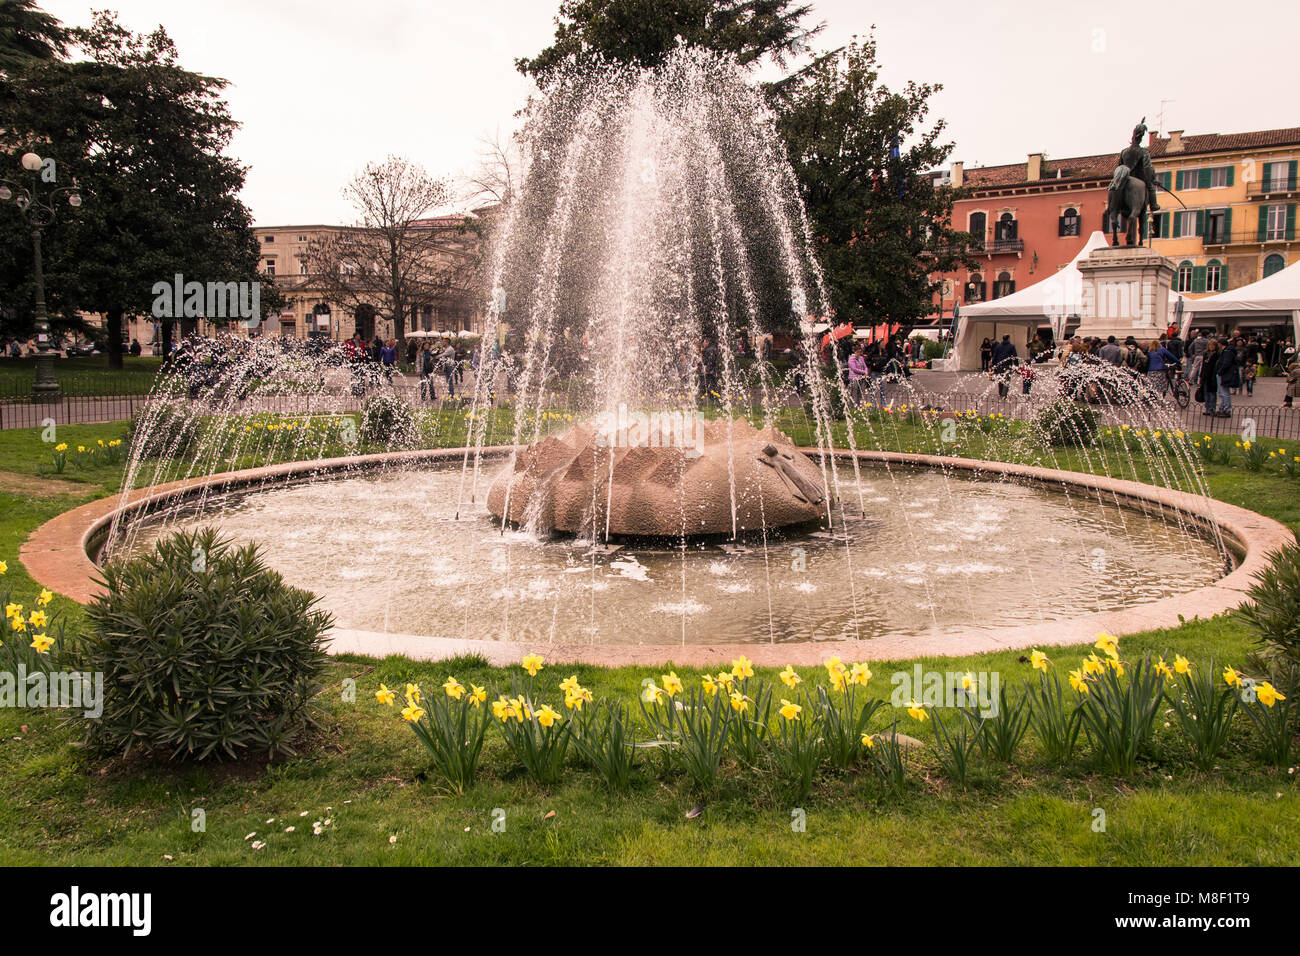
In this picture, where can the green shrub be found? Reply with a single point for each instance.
(1273, 608)
(205, 652)
(1063, 422)
(388, 421)
(165, 430)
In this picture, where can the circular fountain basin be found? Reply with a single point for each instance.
(939, 564)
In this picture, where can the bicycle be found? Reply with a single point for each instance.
(1178, 387)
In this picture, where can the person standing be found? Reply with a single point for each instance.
(1160, 362)
(447, 359)
(1292, 385)
(1110, 352)
(1196, 351)
(986, 355)
(388, 356)
(1209, 369)
(1005, 358)
(857, 374)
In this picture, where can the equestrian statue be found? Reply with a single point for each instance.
(1132, 192)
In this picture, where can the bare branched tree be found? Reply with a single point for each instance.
(498, 172)
(398, 256)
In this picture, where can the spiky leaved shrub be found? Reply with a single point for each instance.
(1063, 422)
(205, 652)
(388, 421)
(1273, 608)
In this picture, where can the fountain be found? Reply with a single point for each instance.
(643, 483)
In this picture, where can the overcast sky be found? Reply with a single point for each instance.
(322, 86)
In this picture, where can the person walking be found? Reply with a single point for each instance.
(1229, 372)
(1005, 358)
(1209, 371)
(388, 357)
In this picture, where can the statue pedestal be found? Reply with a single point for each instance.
(1125, 292)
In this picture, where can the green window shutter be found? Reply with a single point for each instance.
(1200, 222)
(1290, 221)
(1174, 231)
(1198, 278)
(1223, 277)
(1231, 170)
(1227, 228)
(1178, 182)
(1291, 173)
(1167, 179)
(1263, 223)
(1203, 178)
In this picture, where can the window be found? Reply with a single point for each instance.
(302, 266)
(1186, 223)
(975, 289)
(1217, 224)
(1272, 264)
(1276, 228)
(1218, 177)
(1277, 177)
(1006, 228)
(1213, 276)
(1004, 285)
(1185, 272)
(978, 227)
(1069, 223)
(270, 267)
(1187, 179)
(268, 238)
(302, 238)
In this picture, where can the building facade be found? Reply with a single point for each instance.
(1241, 193)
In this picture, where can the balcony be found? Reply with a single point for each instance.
(1236, 238)
(1263, 188)
(999, 247)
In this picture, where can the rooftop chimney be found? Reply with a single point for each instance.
(1175, 141)
(1034, 168)
(957, 175)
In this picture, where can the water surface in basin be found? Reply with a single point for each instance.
(933, 553)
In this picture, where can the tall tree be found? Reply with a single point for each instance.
(145, 141)
(398, 255)
(863, 155)
(641, 32)
(28, 33)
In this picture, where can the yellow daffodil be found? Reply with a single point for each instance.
(1078, 682)
(42, 645)
(1107, 644)
(916, 711)
(4, 567)
(413, 693)
(726, 679)
(477, 695)
(45, 598)
(839, 678)
(672, 685)
(546, 716)
(520, 709)
(1163, 669)
(570, 684)
(1181, 664)
(454, 688)
(37, 619)
(1039, 660)
(652, 693)
(968, 681)
(1268, 694)
(532, 663)
(385, 696)
(1093, 665)
(860, 675)
(1231, 677)
(868, 741)
(742, 667)
(709, 684)
(789, 711)
(789, 678)
(739, 702)
(13, 610)
(833, 663)
(411, 712)
(501, 709)
(18, 624)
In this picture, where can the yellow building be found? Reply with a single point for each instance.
(1241, 192)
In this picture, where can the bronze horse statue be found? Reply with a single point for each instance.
(1127, 199)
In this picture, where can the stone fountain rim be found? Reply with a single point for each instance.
(58, 555)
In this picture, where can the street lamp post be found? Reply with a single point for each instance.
(39, 214)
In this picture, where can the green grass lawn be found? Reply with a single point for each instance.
(86, 375)
(365, 771)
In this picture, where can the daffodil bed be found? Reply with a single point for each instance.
(545, 786)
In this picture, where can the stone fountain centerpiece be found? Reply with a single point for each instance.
(725, 477)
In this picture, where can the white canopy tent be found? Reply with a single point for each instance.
(1057, 299)
(1276, 297)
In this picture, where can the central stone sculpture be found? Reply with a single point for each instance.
(729, 477)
